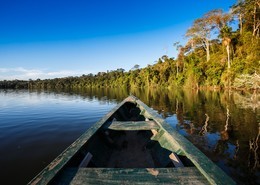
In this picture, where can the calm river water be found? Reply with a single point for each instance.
(36, 126)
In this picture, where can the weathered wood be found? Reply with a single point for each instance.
(169, 138)
(204, 171)
(84, 163)
(133, 125)
(48, 173)
(176, 160)
(154, 132)
(118, 176)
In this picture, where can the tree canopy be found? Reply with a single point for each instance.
(214, 56)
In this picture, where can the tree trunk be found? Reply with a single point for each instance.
(207, 50)
(228, 55)
(226, 42)
(241, 24)
(177, 69)
(255, 22)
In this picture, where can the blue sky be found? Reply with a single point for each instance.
(58, 38)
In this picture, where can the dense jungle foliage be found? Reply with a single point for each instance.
(214, 56)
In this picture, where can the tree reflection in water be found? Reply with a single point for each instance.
(224, 125)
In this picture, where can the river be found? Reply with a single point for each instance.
(36, 126)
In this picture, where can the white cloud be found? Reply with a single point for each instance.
(3, 70)
(21, 73)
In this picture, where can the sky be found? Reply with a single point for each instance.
(59, 38)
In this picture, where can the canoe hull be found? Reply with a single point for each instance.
(132, 143)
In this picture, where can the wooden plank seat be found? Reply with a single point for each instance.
(133, 125)
(187, 175)
(126, 146)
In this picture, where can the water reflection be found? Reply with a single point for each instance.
(247, 100)
(224, 125)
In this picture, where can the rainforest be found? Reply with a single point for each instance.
(222, 51)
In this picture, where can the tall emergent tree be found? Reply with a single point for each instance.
(256, 17)
(180, 57)
(201, 31)
(220, 21)
(238, 10)
(248, 13)
(199, 35)
(225, 34)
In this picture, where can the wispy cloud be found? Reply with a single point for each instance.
(21, 73)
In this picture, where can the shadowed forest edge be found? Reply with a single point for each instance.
(214, 56)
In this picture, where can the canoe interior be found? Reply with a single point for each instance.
(132, 144)
(126, 149)
(123, 148)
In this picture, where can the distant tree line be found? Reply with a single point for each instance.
(214, 56)
(14, 84)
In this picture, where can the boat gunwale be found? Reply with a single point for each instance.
(49, 172)
(177, 143)
(210, 170)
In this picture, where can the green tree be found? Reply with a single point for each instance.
(200, 34)
(225, 34)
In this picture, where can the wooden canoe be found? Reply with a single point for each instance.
(132, 144)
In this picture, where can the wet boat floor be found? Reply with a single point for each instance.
(132, 152)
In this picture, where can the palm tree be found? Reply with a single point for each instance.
(225, 34)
